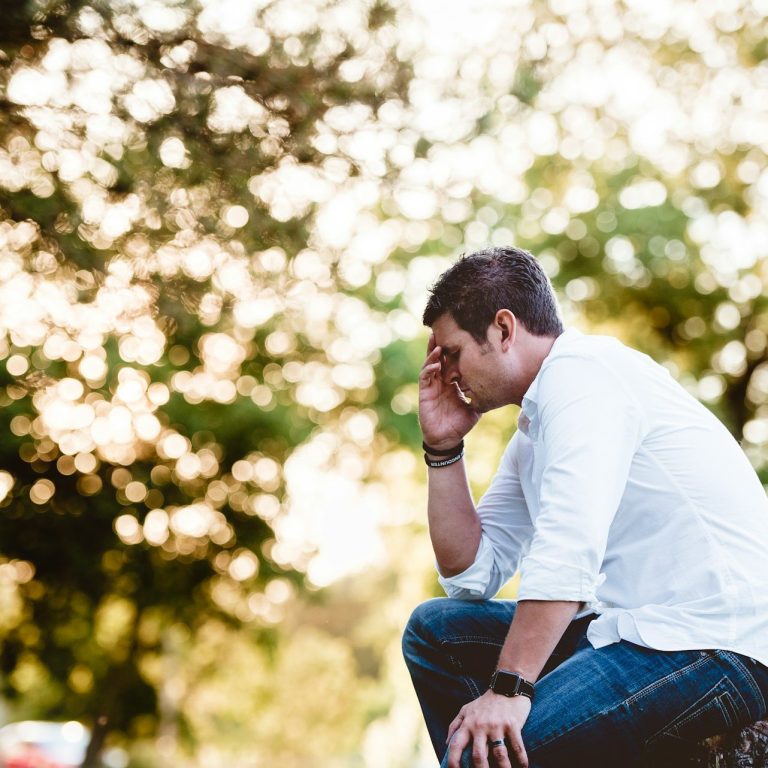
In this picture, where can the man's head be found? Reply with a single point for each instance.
(494, 316)
(477, 286)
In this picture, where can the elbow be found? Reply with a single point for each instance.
(457, 551)
(482, 585)
(450, 568)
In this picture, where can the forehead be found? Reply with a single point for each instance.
(448, 334)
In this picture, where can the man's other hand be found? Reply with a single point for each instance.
(490, 718)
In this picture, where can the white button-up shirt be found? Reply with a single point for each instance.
(621, 490)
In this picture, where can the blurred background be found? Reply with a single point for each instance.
(218, 223)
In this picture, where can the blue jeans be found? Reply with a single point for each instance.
(597, 707)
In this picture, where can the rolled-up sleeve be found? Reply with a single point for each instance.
(506, 532)
(589, 430)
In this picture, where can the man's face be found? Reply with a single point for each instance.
(475, 368)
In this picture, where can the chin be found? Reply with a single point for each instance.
(483, 406)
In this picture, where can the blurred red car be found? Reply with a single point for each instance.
(36, 744)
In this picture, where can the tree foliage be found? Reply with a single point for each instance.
(171, 327)
(623, 146)
(217, 224)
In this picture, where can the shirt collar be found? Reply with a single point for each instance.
(527, 421)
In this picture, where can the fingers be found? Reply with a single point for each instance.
(433, 351)
(480, 752)
(516, 747)
(429, 372)
(453, 727)
(509, 753)
(432, 366)
(458, 743)
(499, 752)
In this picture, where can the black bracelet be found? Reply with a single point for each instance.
(443, 462)
(447, 452)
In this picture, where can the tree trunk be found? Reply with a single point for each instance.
(113, 687)
(96, 744)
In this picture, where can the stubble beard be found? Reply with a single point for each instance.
(479, 404)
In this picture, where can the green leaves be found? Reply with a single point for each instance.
(172, 329)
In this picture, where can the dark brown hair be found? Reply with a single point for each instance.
(477, 286)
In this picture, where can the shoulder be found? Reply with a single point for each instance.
(595, 370)
(586, 359)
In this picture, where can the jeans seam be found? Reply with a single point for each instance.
(737, 662)
(463, 639)
(666, 679)
(481, 639)
(470, 683)
(727, 713)
(625, 702)
(731, 707)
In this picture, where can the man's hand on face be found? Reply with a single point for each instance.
(444, 414)
(490, 718)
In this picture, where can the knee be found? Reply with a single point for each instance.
(420, 628)
(437, 620)
(440, 618)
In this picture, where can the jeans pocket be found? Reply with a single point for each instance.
(717, 711)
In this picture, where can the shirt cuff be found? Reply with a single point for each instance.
(472, 583)
(544, 579)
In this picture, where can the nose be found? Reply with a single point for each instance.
(449, 370)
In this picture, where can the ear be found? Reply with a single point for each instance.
(505, 323)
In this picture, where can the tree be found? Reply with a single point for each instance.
(173, 322)
(622, 145)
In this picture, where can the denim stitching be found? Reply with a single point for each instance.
(732, 707)
(717, 702)
(672, 729)
(668, 678)
(469, 682)
(737, 662)
(482, 639)
(467, 639)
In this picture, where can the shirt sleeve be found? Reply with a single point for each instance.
(590, 427)
(506, 531)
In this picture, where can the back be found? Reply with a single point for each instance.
(686, 562)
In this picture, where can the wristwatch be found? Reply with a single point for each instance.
(511, 684)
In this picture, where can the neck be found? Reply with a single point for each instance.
(537, 348)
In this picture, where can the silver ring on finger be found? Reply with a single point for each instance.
(496, 743)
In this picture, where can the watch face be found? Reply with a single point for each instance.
(511, 684)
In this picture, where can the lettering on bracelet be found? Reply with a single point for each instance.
(443, 462)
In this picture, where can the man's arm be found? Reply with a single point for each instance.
(445, 419)
(454, 526)
(535, 631)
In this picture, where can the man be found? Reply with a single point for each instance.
(638, 526)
